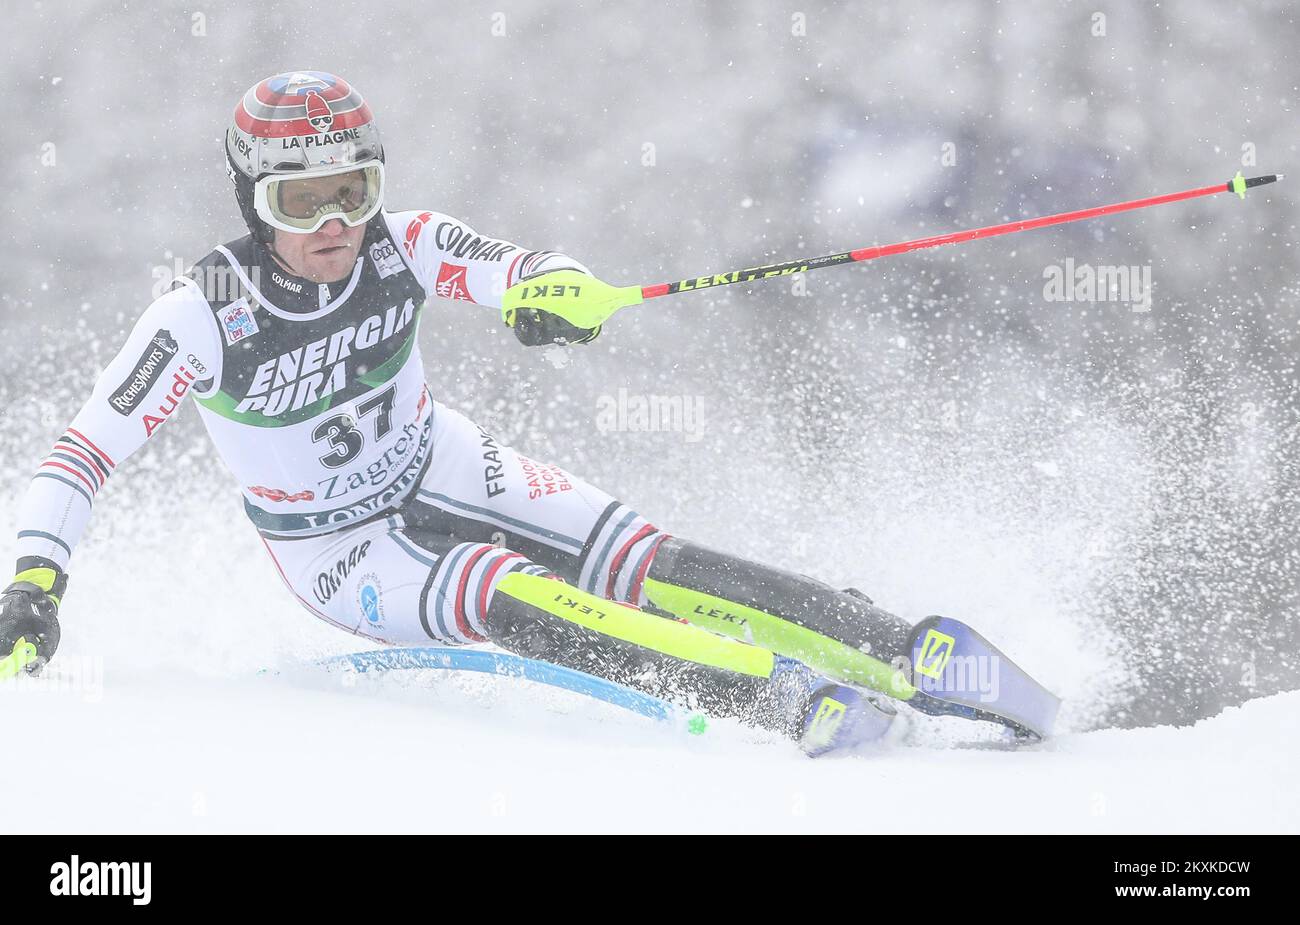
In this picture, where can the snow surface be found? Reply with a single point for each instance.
(169, 750)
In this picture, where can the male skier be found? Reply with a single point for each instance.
(392, 516)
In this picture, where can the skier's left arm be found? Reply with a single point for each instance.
(452, 261)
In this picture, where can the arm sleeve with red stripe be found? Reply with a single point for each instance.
(453, 261)
(175, 343)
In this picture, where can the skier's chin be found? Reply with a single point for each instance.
(320, 258)
(330, 263)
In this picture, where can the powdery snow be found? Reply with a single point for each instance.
(163, 750)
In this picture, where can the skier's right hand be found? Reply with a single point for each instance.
(536, 328)
(29, 610)
(579, 300)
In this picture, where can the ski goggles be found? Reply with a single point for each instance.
(302, 204)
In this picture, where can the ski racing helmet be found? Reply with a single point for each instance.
(304, 149)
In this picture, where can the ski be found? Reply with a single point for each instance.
(504, 664)
(957, 672)
(23, 654)
(843, 718)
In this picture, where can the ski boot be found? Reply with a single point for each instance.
(827, 717)
(957, 672)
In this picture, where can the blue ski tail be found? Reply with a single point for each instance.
(503, 663)
(959, 672)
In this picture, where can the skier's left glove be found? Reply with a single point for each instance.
(29, 610)
(535, 328)
(563, 306)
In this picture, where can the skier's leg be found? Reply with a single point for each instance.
(940, 666)
(495, 504)
(556, 622)
(739, 597)
(481, 511)
(378, 581)
(397, 586)
(477, 490)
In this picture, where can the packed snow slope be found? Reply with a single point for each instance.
(168, 749)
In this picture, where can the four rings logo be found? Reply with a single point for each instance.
(386, 259)
(160, 350)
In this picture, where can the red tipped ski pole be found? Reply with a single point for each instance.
(1237, 184)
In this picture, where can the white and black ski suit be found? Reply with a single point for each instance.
(385, 512)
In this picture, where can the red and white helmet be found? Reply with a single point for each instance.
(304, 149)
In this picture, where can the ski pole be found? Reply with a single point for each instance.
(23, 654)
(1237, 184)
(587, 303)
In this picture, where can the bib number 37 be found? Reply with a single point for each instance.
(346, 441)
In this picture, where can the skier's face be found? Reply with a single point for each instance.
(326, 255)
